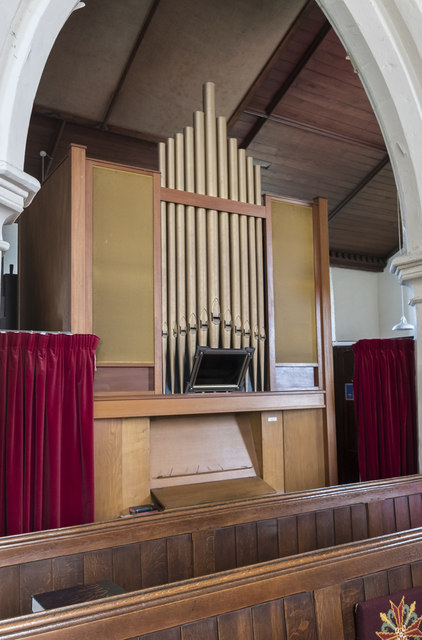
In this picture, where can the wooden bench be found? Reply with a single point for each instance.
(308, 597)
(146, 551)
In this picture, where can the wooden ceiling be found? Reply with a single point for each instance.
(125, 75)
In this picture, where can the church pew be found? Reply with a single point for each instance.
(310, 596)
(146, 551)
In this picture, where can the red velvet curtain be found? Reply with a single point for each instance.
(385, 404)
(46, 431)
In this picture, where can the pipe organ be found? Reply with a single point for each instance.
(212, 261)
(157, 263)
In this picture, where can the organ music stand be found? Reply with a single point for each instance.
(219, 370)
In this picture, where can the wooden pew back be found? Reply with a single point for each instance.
(310, 596)
(143, 552)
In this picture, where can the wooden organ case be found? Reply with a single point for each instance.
(156, 263)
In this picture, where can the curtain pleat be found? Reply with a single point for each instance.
(46, 431)
(385, 404)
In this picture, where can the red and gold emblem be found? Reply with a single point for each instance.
(400, 622)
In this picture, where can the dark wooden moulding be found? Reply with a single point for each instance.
(141, 552)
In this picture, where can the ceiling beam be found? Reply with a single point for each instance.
(268, 67)
(303, 126)
(129, 62)
(285, 86)
(366, 180)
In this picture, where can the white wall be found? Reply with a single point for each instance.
(10, 234)
(367, 305)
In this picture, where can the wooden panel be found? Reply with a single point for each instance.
(154, 566)
(325, 528)
(343, 525)
(166, 634)
(202, 630)
(246, 544)
(68, 571)
(45, 258)
(267, 531)
(98, 565)
(10, 597)
(225, 549)
(399, 578)
(273, 449)
(294, 297)
(127, 567)
(375, 524)
(186, 450)
(123, 265)
(80, 242)
(376, 585)
(135, 462)
(359, 522)
(328, 613)
(415, 508)
(35, 577)
(304, 450)
(287, 536)
(179, 557)
(416, 569)
(300, 617)
(203, 552)
(388, 516)
(124, 378)
(268, 621)
(306, 532)
(237, 624)
(401, 509)
(121, 454)
(351, 592)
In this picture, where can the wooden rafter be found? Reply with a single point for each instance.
(366, 180)
(285, 86)
(55, 146)
(129, 62)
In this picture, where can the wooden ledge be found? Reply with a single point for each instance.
(133, 405)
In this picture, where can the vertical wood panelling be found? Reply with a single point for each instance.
(273, 449)
(179, 557)
(268, 621)
(202, 630)
(10, 596)
(416, 570)
(107, 468)
(304, 449)
(325, 528)
(267, 532)
(375, 526)
(415, 508)
(225, 549)
(376, 585)
(203, 552)
(135, 462)
(342, 525)
(246, 544)
(352, 592)
(68, 571)
(306, 532)
(98, 565)
(399, 578)
(236, 624)
(401, 510)
(287, 536)
(35, 577)
(127, 567)
(359, 522)
(80, 305)
(328, 613)
(299, 613)
(388, 516)
(154, 563)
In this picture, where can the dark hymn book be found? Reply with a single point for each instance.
(74, 595)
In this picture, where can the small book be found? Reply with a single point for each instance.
(74, 595)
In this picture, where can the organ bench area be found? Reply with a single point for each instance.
(91, 260)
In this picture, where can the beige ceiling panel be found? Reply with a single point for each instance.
(190, 42)
(88, 57)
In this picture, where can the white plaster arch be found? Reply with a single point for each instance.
(28, 29)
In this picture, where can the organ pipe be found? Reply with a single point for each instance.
(212, 262)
